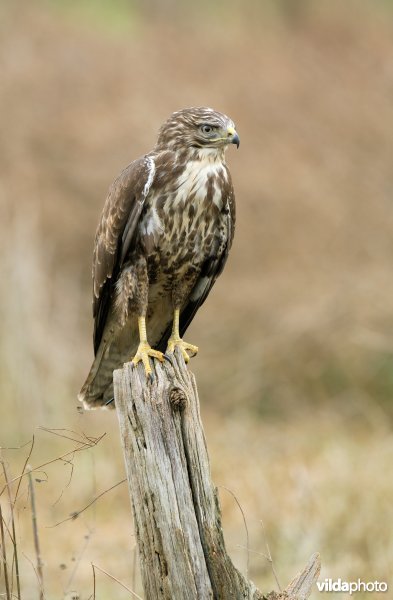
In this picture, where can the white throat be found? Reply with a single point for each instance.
(211, 155)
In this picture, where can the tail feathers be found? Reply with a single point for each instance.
(98, 387)
(97, 391)
(92, 399)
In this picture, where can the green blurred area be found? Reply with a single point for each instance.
(295, 369)
(109, 17)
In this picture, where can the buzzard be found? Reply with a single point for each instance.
(163, 239)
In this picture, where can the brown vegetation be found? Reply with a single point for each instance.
(297, 332)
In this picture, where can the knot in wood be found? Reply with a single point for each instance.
(177, 398)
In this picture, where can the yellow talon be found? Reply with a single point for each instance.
(184, 346)
(144, 349)
(143, 353)
(176, 341)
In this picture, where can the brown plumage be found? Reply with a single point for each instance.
(163, 239)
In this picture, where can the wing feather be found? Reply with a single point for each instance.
(116, 234)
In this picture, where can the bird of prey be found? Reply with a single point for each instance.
(163, 239)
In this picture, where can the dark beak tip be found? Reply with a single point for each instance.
(236, 140)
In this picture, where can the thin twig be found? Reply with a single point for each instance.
(24, 468)
(11, 535)
(245, 526)
(11, 503)
(90, 440)
(15, 447)
(78, 560)
(266, 557)
(71, 464)
(7, 530)
(269, 556)
(94, 581)
(4, 556)
(74, 515)
(117, 581)
(253, 551)
(36, 574)
(83, 446)
(35, 534)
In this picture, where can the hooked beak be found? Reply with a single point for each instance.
(234, 138)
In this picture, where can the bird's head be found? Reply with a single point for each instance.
(200, 128)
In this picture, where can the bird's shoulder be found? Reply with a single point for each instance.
(168, 167)
(129, 186)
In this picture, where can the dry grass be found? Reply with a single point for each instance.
(299, 421)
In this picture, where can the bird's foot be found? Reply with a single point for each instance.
(143, 353)
(185, 347)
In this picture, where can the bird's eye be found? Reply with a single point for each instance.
(206, 128)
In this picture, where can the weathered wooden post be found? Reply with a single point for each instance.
(176, 509)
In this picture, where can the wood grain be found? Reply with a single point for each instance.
(176, 508)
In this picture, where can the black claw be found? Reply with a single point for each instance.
(109, 401)
(150, 377)
(168, 358)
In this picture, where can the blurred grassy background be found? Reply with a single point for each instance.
(295, 368)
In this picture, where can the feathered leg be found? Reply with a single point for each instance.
(134, 297)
